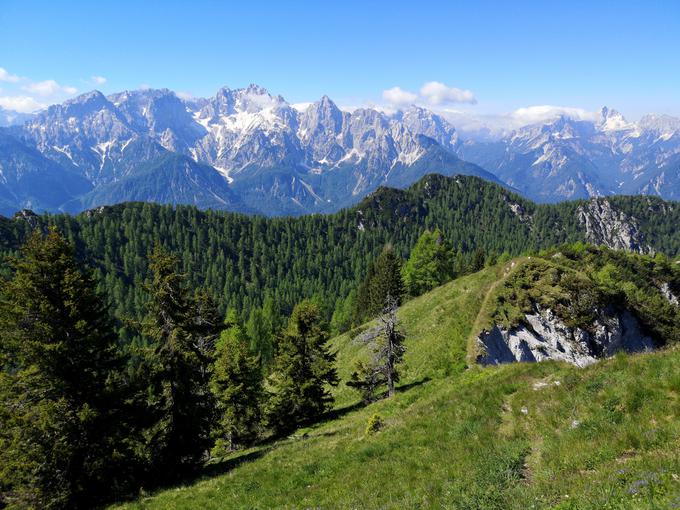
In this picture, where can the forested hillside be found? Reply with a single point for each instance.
(521, 435)
(89, 416)
(248, 262)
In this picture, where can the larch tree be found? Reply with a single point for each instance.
(387, 352)
(390, 348)
(430, 264)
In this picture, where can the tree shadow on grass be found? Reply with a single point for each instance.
(268, 444)
(342, 411)
(223, 466)
(414, 384)
(334, 414)
(209, 470)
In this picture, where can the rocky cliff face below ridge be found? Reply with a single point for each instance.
(544, 336)
(606, 226)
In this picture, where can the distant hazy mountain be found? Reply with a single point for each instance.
(567, 158)
(30, 180)
(12, 118)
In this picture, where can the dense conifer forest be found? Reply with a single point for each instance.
(261, 267)
(142, 341)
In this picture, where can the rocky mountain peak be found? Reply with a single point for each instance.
(320, 117)
(425, 122)
(254, 99)
(660, 124)
(86, 97)
(612, 120)
(253, 88)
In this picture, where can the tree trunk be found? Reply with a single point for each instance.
(390, 372)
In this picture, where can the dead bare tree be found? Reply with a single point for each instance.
(391, 348)
(386, 343)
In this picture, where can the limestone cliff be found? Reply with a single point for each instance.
(544, 336)
(606, 226)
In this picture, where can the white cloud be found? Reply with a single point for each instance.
(301, 107)
(98, 80)
(399, 97)
(25, 95)
(184, 95)
(432, 93)
(21, 104)
(49, 88)
(488, 125)
(437, 93)
(541, 113)
(5, 76)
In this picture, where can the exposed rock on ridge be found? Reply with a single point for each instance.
(544, 336)
(609, 227)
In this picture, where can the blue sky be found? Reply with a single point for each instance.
(505, 55)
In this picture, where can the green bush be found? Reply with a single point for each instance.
(375, 424)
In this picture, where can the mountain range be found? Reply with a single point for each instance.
(567, 158)
(249, 151)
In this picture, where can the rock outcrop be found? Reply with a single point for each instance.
(544, 336)
(668, 294)
(606, 226)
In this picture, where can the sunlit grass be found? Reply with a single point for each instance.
(517, 436)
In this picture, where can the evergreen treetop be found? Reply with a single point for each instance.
(303, 369)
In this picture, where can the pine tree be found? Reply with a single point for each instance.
(303, 369)
(178, 405)
(58, 368)
(429, 265)
(236, 383)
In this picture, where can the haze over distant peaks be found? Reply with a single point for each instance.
(251, 151)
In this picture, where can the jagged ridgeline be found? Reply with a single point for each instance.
(244, 259)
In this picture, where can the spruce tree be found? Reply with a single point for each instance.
(303, 369)
(236, 383)
(383, 281)
(178, 406)
(58, 374)
(478, 259)
(387, 283)
(362, 305)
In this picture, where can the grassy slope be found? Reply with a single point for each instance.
(516, 436)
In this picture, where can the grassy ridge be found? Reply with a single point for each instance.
(516, 436)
